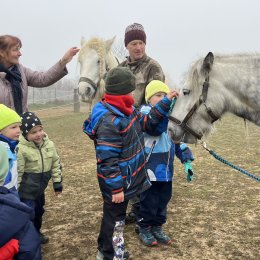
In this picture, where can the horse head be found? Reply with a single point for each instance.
(191, 117)
(95, 58)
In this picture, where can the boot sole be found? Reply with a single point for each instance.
(149, 245)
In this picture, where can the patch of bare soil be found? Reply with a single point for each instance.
(57, 111)
(214, 217)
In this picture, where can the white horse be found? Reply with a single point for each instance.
(95, 58)
(230, 84)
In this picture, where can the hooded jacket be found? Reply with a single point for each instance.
(119, 143)
(36, 165)
(160, 166)
(15, 223)
(10, 181)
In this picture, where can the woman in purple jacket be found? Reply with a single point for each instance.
(15, 78)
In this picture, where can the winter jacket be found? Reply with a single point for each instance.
(10, 181)
(145, 70)
(15, 224)
(119, 146)
(160, 166)
(4, 166)
(29, 78)
(36, 165)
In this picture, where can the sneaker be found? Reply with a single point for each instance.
(130, 218)
(147, 237)
(100, 256)
(44, 239)
(160, 235)
(126, 255)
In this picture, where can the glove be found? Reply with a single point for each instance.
(188, 170)
(57, 186)
(10, 249)
(186, 153)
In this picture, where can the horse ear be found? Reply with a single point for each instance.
(109, 43)
(82, 41)
(208, 62)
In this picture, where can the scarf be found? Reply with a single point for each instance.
(12, 143)
(124, 103)
(13, 75)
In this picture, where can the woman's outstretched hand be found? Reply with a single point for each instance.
(70, 53)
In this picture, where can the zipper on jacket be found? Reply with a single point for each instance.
(40, 150)
(167, 167)
(128, 176)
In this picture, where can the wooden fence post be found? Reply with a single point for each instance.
(76, 101)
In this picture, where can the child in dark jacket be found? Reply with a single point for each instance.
(18, 238)
(117, 130)
(38, 162)
(160, 168)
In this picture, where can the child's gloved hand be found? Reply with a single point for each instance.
(188, 170)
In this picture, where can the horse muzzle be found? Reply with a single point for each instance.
(179, 135)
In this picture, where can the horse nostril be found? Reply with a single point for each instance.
(87, 91)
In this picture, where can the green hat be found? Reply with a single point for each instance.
(8, 117)
(119, 81)
(154, 87)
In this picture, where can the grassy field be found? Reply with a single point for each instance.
(214, 217)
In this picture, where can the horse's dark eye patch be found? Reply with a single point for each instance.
(186, 92)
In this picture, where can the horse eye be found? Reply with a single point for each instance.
(186, 92)
(98, 61)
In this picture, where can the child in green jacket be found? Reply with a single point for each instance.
(38, 162)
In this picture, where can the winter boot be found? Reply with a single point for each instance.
(160, 235)
(130, 218)
(147, 237)
(100, 256)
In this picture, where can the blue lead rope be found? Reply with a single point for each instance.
(231, 164)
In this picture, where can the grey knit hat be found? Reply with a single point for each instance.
(119, 81)
(133, 32)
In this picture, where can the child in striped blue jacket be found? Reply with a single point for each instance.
(160, 168)
(117, 130)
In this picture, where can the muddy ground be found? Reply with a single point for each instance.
(214, 217)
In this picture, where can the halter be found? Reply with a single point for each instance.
(92, 83)
(202, 100)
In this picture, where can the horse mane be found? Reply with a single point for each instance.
(243, 59)
(96, 44)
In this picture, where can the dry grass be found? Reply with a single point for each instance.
(214, 217)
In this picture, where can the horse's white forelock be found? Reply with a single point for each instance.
(99, 46)
(95, 43)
